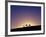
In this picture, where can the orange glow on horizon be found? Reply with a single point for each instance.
(22, 23)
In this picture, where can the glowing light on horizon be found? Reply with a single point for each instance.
(23, 24)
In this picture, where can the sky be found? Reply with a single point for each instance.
(22, 15)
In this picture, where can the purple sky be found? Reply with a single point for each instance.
(21, 15)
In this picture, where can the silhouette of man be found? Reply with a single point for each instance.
(29, 24)
(26, 24)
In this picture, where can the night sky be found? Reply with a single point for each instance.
(22, 15)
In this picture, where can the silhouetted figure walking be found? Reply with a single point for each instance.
(26, 24)
(29, 25)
